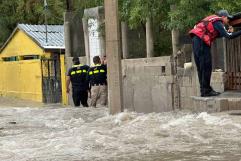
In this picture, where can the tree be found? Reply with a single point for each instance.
(27, 11)
(188, 12)
(136, 12)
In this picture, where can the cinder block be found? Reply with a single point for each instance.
(168, 69)
(189, 103)
(190, 91)
(186, 81)
(238, 105)
(217, 77)
(218, 86)
(184, 104)
(197, 105)
(202, 106)
(222, 104)
(183, 92)
(231, 104)
(210, 105)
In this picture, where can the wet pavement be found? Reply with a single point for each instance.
(54, 133)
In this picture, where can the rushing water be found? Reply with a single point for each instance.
(88, 134)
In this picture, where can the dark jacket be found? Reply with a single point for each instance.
(78, 76)
(97, 75)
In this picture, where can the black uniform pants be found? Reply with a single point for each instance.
(203, 60)
(80, 96)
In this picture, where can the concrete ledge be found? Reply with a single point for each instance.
(216, 104)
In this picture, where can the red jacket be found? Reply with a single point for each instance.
(204, 29)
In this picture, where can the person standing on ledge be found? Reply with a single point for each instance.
(203, 34)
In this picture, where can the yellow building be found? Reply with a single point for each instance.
(32, 64)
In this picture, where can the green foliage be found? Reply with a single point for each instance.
(6, 20)
(32, 12)
(28, 11)
(82, 4)
(134, 12)
(188, 12)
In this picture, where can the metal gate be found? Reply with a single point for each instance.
(51, 80)
(233, 64)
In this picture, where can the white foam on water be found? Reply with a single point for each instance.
(90, 134)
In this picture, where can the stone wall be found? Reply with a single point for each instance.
(147, 84)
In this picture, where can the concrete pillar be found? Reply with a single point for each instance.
(67, 39)
(101, 36)
(149, 39)
(124, 38)
(115, 101)
(175, 48)
(86, 39)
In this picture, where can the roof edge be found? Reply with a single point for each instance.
(18, 27)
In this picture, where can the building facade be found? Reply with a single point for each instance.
(30, 63)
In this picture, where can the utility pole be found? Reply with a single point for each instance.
(46, 20)
(149, 38)
(113, 52)
(67, 26)
(175, 48)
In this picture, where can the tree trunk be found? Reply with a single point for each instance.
(124, 34)
(175, 42)
(149, 39)
(69, 5)
(175, 38)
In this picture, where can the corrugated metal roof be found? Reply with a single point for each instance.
(55, 35)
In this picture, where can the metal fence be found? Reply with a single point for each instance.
(233, 61)
(51, 80)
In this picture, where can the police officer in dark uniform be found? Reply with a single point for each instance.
(77, 76)
(203, 34)
(97, 77)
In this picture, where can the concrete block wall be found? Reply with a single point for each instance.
(147, 84)
(187, 90)
(188, 86)
(215, 104)
(209, 104)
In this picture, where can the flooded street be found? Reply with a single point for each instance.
(88, 134)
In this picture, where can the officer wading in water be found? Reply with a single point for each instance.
(97, 77)
(77, 76)
(203, 34)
